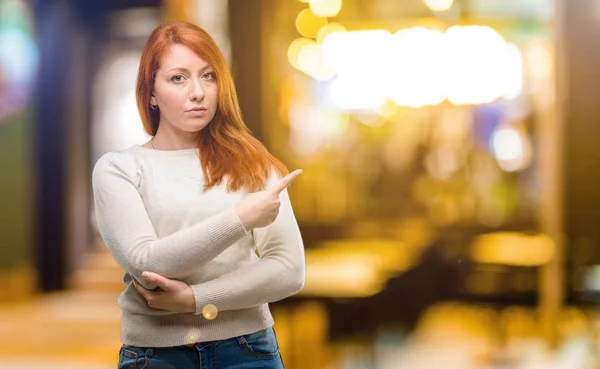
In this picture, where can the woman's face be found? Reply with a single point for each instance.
(185, 90)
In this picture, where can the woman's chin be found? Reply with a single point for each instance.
(194, 127)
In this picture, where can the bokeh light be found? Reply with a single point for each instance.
(19, 57)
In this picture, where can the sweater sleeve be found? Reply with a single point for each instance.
(129, 234)
(279, 272)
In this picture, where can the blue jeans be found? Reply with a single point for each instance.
(256, 350)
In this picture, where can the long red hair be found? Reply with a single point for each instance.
(226, 146)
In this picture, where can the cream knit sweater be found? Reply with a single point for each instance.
(154, 216)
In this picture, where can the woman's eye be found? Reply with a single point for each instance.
(210, 76)
(177, 78)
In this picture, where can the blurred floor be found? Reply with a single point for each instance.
(78, 328)
(63, 330)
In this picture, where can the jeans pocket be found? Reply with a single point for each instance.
(129, 359)
(262, 343)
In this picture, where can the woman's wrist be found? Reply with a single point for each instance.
(245, 219)
(244, 226)
(191, 303)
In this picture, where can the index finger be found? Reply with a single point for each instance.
(286, 181)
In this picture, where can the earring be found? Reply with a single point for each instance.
(153, 107)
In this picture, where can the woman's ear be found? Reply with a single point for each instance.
(153, 100)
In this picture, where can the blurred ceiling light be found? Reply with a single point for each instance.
(116, 121)
(326, 8)
(506, 144)
(415, 68)
(328, 29)
(514, 72)
(294, 50)
(360, 61)
(539, 61)
(512, 248)
(476, 64)
(309, 56)
(439, 5)
(19, 57)
(357, 94)
(511, 148)
(310, 60)
(309, 24)
(357, 51)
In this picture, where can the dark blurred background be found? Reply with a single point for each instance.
(449, 206)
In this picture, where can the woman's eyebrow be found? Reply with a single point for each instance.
(187, 70)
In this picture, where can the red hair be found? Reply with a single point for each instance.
(226, 146)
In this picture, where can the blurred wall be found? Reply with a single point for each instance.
(16, 209)
(246, 24)
(580, 57)
(45, 229)
(18, 67)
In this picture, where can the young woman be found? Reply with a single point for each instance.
(198, 217)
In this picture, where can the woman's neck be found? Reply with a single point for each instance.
(168, 140)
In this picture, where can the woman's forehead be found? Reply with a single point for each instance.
(182, 57)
